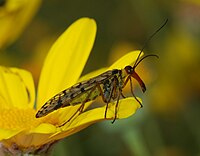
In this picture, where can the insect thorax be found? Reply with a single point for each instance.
(112, 86)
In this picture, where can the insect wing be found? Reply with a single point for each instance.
(70, 96)
(75, 94)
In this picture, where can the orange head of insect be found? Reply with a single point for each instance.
(130, 70)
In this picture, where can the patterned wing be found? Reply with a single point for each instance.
(75, 94)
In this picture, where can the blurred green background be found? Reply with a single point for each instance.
(168, 124)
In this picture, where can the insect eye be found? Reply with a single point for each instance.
(129, 69)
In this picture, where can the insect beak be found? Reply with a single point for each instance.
(139, 80)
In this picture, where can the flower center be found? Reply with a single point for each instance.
(16, 118)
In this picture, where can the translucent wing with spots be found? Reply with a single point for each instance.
(81, 92)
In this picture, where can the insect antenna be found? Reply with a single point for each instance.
(145, 44)
(131, 70)
(136, 64)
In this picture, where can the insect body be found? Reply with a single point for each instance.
(109, 85)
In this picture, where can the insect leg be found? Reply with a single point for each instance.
(117, 104)
(109, 101)
(126, 81)
(104, 99)
(113, 91)
(123, 95)
(133, 93)
(86, 99)
(71, 116)
(80, 109)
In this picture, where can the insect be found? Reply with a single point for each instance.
(109, 85)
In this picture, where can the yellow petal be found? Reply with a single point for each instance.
(17, 88)
(62, 134)
(25, 140)
(127, 107)
(64, 114)
(66, 59)
(6, 134)
(12, 12)
(92, 74)
(126, 60)
(44, 128)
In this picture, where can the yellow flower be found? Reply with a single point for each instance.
(20, 131)
(14, 16)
